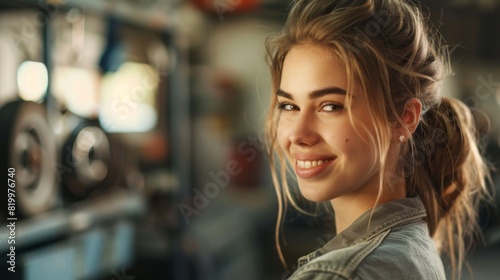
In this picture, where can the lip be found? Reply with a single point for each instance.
(308, 173)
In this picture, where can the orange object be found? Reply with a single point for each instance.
(223, 6)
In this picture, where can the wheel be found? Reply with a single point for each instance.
(86, 157)
(28, 145)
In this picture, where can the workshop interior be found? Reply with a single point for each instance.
(132, 138)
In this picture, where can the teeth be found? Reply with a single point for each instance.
(310, 163)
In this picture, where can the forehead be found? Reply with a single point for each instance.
(309, 67)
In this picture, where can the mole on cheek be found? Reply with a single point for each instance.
(346, 140)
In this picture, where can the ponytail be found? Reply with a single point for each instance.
(449, 175)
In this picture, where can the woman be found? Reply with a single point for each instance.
(358, 115)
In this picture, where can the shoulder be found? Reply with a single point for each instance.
(399, 252)
(408, 252)
(341, 263)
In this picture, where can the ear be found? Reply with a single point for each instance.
(411, 118)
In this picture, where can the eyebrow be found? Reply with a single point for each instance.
(315, 93)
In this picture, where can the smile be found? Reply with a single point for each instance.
(308, 169)
(306, 164)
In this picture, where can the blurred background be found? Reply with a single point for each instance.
(133, 130)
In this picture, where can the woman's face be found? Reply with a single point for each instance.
(330, 157)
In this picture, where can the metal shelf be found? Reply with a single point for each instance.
(156, 14)
(80, 217)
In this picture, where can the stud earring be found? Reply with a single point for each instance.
(401, 138)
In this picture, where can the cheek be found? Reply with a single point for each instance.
(359, 136)
(340, 136)
(359, 153)
(347, 142)
(282, 136)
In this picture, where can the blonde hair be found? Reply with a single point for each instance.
(389, 50)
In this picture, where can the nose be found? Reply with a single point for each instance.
(303, 132)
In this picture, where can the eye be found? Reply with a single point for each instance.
(332, 107)
(285, 106)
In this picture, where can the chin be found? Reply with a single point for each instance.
(315, 195)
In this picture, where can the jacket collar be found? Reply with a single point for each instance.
(384, 217)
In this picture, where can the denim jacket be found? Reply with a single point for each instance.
(396, 246)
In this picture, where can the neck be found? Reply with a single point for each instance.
(349, 207)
